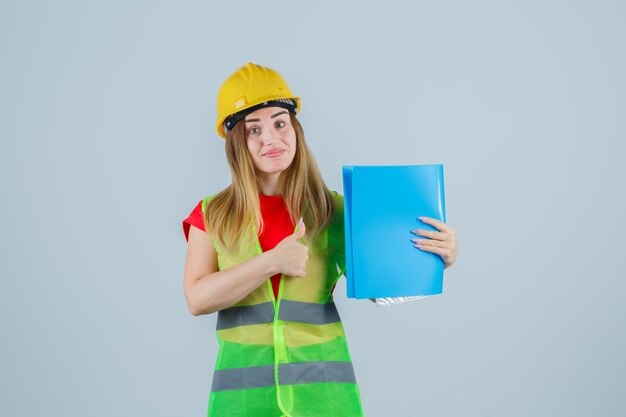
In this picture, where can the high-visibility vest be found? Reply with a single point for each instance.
(286, 356)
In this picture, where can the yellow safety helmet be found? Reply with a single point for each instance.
(250, 88)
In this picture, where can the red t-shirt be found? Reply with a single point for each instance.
(276, 219)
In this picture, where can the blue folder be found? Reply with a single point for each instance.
(381, 207)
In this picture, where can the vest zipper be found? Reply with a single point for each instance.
(280, 351)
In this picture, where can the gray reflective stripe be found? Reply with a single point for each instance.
(308, 372)
(288, 373)
(298, 311)
(245, 315)
(243, 378)
(310, 313)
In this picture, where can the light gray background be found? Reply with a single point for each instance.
(107, 114)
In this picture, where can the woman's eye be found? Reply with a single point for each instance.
(280, 123)
(254, 131)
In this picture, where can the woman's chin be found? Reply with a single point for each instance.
(276, 169)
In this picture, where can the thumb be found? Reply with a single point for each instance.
(299, 234)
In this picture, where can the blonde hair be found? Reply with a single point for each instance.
(237, 207)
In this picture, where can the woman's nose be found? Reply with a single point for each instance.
(269, 136)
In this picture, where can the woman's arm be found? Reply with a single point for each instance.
(208, 290)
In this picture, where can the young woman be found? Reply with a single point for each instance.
(283, 351)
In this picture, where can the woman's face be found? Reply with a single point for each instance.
(271, 139)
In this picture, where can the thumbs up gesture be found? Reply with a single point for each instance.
(290, 256)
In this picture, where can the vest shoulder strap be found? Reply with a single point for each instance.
(206, 200)
(336, 234)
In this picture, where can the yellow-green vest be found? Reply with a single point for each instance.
(286, 357)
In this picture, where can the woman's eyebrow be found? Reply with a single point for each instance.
(271, 117)
(279, 113)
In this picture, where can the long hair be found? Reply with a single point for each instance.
(236, 208)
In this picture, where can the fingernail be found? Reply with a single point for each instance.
(300, 221)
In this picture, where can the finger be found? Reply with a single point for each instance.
(435, 223)
(430, 243)
(439, 250)
(299, 234)
(443, 252)
(429, 233)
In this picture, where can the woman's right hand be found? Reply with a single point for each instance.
(290, 256)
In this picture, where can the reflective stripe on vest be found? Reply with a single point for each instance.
(297, 311)
(288, 373)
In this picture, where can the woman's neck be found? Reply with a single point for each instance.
(268, 183)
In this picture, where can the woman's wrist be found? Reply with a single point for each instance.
(269, 265)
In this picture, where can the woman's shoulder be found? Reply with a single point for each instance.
(338, 200)
(206, 200)
(336, 196)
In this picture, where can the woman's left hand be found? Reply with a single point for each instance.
(442, 242)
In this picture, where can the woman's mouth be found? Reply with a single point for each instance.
(274, 153)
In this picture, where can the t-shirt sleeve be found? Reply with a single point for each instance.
(196, 218)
